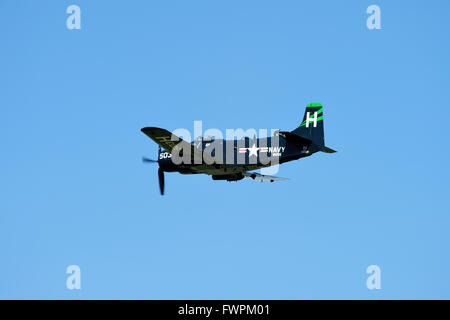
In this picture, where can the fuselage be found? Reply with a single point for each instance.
(228, 159)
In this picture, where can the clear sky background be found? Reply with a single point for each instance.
(74, 190)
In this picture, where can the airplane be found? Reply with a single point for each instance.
(241, 156)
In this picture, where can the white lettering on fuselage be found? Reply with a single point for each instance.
(276, 151)
(165, 155)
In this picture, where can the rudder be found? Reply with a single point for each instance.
(311, 127)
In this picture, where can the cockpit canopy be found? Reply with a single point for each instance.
(204, 139)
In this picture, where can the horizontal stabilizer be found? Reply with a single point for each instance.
(328, 150)
(262, 177)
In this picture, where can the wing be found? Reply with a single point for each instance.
(167, 140)
(262, 177)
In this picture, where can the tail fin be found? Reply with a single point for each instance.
(312, 126)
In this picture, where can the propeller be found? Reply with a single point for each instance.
(160, 171)
(161, 180)
(144, 159)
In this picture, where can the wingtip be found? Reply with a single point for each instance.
(147, 129)
(150, 130)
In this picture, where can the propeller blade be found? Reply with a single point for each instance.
(144, 159)
(161, 180)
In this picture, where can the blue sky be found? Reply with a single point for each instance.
(74, 190)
